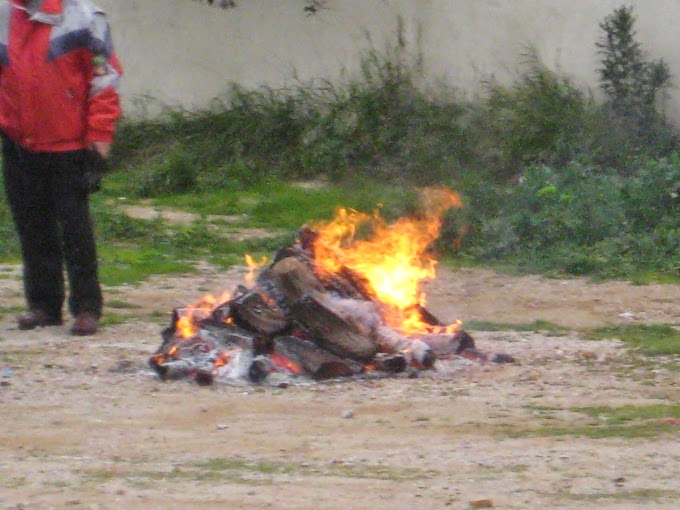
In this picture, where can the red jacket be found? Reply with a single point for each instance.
(58, 74)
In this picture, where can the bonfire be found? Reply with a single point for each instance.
(345, 299)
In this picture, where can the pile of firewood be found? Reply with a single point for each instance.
(300, 319)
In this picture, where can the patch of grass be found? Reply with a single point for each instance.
(113, 319)
(126, 265)
(117, 303)
(650, 339)
(265, 467)
(536, 326)
(6, 310)
(648, 421)
(280, 205)
(632, 495)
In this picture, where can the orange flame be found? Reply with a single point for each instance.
(394, 260)
(254, 267)
(185, 325)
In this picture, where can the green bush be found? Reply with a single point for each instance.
(176, 172)
(542, 118)
(580, 221)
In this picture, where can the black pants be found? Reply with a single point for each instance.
(51, 211)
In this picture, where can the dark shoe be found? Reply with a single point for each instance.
(85, 324)
(37, 318)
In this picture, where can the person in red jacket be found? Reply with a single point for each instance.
(59, 105)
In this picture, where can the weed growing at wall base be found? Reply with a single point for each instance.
(553, 181)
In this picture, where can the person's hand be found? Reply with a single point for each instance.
(102, 148)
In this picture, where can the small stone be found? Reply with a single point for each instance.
(627, 315)
(222, 426)
(348, 414)
(502, 358)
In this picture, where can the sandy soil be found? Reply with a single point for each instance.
(84, 425)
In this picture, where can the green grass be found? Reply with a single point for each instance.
(121, 266)
(122, 305)
(631, 495)
(257, 472)
(288, 206)
(265, 467)
(630, 422)
(536, 326)
(113, 319)
(650, 339)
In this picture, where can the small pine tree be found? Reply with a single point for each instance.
(631, 83)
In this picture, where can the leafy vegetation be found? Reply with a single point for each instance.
(646, 421)
(632, 83)
(553, 180)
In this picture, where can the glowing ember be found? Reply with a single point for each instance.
(394, 260)
(285, 363)
(223, 358)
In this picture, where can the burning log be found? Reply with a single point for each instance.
(332, 332)
(313, 360)
(295, 277)
(444, 344)
(230, 336)
(415, 351)
(173, 370)
(255, 310)
(294, 280)
(391, 363)
(346, 284)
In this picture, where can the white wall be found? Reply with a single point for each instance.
(182, 52)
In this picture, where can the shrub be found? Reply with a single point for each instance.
(633, 84)
(540, 119)
(176, 172)
(580, 221)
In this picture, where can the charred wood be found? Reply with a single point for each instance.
(428, 317)
(346, 284)
(391, 363)
(416, 352)
(204, 377)
(313, 360)
(444, 344)
(294, 280)
(259, 369)
(254, 310)
(230, 336)
(332, 332)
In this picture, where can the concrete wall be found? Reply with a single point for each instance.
(182, 52)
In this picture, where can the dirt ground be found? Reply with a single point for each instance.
(83, 424)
